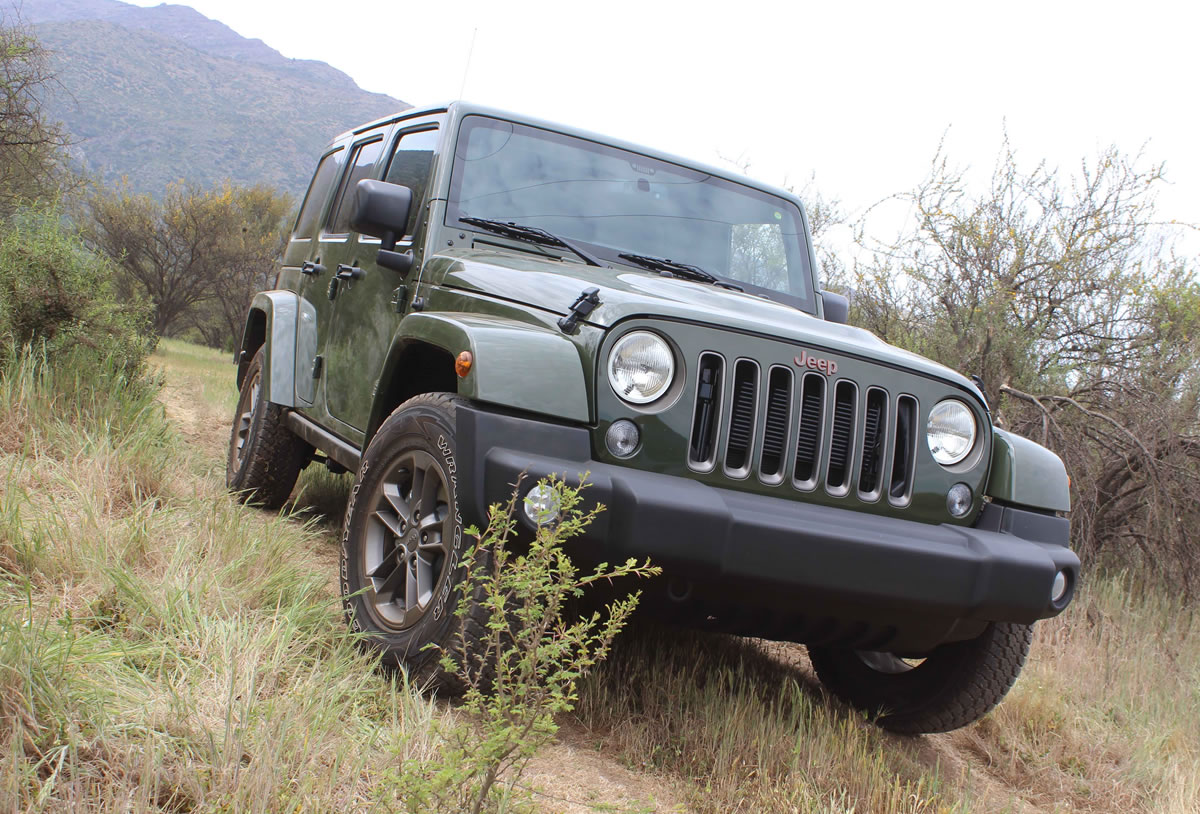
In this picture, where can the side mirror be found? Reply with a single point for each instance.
(836, 307)
(380, 209)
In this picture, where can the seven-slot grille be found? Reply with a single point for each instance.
(805, 428)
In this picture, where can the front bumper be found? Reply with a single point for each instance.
(887, 574)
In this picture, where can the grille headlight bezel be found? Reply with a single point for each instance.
(946, 432)
(653, 355)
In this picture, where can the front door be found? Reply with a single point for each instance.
(335, 252)
(371, 303)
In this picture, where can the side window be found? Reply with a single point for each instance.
(410, 165)
(318, 192)
(362, 162)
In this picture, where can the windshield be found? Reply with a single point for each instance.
(614, 201)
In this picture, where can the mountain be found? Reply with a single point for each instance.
(162, 94)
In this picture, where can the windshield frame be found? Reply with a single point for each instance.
(799, 258)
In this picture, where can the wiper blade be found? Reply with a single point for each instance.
(531, 234)
(684, 270)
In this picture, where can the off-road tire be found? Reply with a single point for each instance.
(955, 685)
(265, 457)
(418, 435)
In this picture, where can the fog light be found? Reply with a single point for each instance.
(622, 438)
(958, 499)
(541, 505)
(1059, 589)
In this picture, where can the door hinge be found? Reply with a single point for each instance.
(318, 362)
(399, 299)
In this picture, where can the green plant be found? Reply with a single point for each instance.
(536, 648)
(57, 296)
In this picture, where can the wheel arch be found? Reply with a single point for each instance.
(421, 360)
(1025, 473)
(271, 325)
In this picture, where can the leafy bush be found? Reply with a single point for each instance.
(536, 650)
(57, 296)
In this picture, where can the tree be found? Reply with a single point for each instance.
(1063, 296)
(197, 255)
(31, 146)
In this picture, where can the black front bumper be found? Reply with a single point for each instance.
(785, 554)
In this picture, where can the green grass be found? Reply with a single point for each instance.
(206, 373)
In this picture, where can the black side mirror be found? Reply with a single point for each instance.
(380, 209)
(836, 307)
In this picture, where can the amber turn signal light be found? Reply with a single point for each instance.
(462, 365)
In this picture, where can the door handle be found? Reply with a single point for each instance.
(311, 268)
(345, 272)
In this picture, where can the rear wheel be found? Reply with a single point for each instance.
(954, 685)
(265, 457)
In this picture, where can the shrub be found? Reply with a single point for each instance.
(536, 648)
(57, 296)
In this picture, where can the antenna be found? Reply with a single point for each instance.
(467, 68)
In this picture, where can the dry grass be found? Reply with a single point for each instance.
(1105, 717)
(165, 649)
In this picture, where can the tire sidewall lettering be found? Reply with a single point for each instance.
(439, 607)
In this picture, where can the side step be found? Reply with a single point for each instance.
(337, 449)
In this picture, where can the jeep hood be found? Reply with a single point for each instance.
(553, 285)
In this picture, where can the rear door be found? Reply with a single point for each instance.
(302, 259)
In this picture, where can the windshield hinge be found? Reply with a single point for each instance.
(584, 304)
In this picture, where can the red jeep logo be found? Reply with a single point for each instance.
(826, 366)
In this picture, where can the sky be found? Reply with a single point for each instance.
(855, 96)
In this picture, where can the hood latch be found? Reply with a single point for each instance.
(584, 304)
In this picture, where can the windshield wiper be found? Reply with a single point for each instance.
(684, 270)
(530, 234)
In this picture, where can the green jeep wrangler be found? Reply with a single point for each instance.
(472, 299)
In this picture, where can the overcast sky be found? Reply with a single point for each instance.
(858, 94)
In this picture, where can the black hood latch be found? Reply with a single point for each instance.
(584, 304)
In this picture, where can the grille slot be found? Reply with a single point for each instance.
(775, 426)
(870, 477)
(741, 418)
(841, 438)
(808, 435)
(904, 455)
(702, 447)
(848, 435)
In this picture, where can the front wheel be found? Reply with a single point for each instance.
(954, 685)
(402, 543)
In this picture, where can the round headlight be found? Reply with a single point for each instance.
(951, 431)
(640, 367)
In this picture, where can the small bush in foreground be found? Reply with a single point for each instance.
(535, 652)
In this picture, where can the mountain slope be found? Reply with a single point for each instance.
(164, 94)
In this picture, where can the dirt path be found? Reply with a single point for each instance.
(569, 776)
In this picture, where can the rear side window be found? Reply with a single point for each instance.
(318, 193)
(362, 162)
(410, 165)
